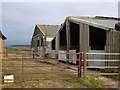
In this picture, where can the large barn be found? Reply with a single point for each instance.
(42, 37)
(88, 34)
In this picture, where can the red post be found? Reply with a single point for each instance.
(85, 63)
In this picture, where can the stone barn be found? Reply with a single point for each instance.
(42, 37)
(88, 34)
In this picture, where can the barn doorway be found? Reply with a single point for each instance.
(97, 42)
(97, 38)
(74, 36)
(63, 39)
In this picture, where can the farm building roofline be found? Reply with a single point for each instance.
(40, 29)
(106, 23)
(96, 17)
(89, 23)
(2, 36)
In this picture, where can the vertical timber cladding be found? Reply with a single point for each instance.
(1, 46)
(112, 46)
(57, 44)
(84, 38)
(68, 35)
(36, 49)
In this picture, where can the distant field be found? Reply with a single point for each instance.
(13, 49)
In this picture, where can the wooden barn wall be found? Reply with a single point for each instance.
(1, 46)
(84, 38)
(112, 46)
(36, 38)
(68, 35)
(57, 42)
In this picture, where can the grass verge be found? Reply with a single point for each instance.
(14, 49)
(88, 82)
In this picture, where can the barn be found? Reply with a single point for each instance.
(2, 38)
(88, 34)
(42, 37)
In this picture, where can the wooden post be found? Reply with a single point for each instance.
(83, 37)
(22, 63)
(68, 37)
(85, 63)
(57, 44)
(79, 63)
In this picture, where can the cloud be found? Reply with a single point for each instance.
(59, 0)
(20, 18)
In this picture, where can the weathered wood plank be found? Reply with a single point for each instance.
(68, 34)
(57, 44)
(81, 38)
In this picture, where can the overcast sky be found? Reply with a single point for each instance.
(19, 18)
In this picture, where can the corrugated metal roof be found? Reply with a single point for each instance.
(104, 22)
(101, 23)
(49, 30)
(2, 36)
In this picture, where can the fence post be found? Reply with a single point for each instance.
(85, 63)
(79, 64)
(22, 64)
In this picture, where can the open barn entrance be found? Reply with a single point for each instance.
(53, 44)
(63, 40)
(97, 38)
(74, 36)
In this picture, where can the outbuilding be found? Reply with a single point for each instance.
(42, 37)
(2, 38)
(88, 34)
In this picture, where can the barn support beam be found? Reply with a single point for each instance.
(68, 36)
(57, 44)
(83, 37)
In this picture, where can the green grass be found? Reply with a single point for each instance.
(89, 82)
(115, 77)
(14, 49)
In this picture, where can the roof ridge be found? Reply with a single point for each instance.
(47, 25)
(96, 17)
(2, 36)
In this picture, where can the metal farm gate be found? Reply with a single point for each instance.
(28, 65)
(32, 66)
